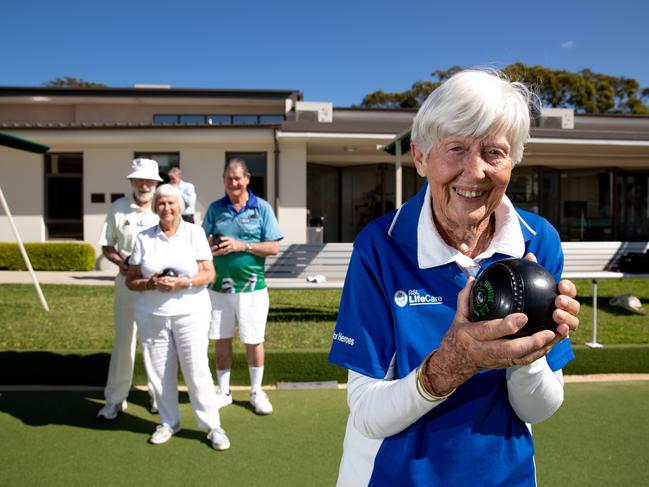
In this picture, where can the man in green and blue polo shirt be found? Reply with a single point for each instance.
(242, 231)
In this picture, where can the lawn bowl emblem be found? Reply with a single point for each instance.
(515, 286)
(484, 297)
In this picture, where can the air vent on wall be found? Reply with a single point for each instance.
(314, 111)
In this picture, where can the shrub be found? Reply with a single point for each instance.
(49, 256)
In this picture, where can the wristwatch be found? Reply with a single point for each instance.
(248, 247)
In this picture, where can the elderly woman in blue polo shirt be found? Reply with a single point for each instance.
(436, 399)
(171, 267)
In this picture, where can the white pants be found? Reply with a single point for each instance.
(167, 340)
(122, 358)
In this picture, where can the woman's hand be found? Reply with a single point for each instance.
(567, 307)
(167, 284)
(469, 347)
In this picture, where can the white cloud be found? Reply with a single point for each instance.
(568, 45)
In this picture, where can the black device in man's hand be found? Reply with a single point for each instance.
(169, 272)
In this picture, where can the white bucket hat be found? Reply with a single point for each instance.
(144, 169)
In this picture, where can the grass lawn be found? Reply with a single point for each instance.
(598, 438)
(81, 317)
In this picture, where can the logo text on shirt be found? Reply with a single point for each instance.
(415, 297)
(343, 339)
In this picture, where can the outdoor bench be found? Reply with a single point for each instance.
(297, 265)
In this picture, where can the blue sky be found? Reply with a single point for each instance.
(331, 50)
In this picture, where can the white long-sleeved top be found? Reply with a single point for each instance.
(382, 408)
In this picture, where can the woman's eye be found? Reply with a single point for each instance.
(495, 153)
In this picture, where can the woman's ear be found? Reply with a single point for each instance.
(418, 158)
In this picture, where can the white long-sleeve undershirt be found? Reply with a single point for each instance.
(382, 408)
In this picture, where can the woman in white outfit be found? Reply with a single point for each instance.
(172, 313)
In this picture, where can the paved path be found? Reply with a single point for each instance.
(107, 278)
(94, 278)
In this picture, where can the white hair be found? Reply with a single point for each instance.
(168, 190)
(476, 103)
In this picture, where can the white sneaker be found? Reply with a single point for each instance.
(163, 433)
(223, 400)
(261, 403)
(111, 410)
(219, 439)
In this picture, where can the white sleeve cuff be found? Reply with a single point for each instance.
(381, 408)
(535, 391)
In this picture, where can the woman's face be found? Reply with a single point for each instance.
(467, 177)
(168, 209)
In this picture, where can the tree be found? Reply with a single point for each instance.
(71, 82)
(585, 91)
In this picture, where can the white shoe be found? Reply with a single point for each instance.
(111, 410)
(219, 439)
(223, 400)
(261, 403)
(163, 433)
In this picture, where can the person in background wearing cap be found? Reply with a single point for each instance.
(126, 217)
(186, 190)
(242, 231)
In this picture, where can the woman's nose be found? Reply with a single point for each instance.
(474, 164)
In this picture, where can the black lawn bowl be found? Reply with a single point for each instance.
(515, 286)
(169, 272)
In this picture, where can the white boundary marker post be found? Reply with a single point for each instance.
(593, 343)
(22, 251)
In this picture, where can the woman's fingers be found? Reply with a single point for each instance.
(464, 300)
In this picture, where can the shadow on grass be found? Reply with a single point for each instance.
(278, 314)
(79, 409)
(71, 408)
(50, 368)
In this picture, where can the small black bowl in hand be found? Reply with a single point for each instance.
(515, 286)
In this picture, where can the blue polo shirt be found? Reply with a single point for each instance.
(392, 314)
(255, 222)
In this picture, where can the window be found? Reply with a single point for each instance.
(271, 119)
(523, 189)
(256, 162)
(245, 119)
(165, 160)
(632, 207)
(192, 119)
(217, 119)
(165, 119)
(585, 205)
(64, 195)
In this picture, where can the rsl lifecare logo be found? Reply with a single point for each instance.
(415, 297)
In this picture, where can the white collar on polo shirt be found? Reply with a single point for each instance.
(179, 231)
(432, 251)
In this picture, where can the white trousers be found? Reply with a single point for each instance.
(122, 358)
(167, 340)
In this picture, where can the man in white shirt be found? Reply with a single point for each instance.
(187, 191)
(126, 217)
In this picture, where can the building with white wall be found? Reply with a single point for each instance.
(317, 165)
